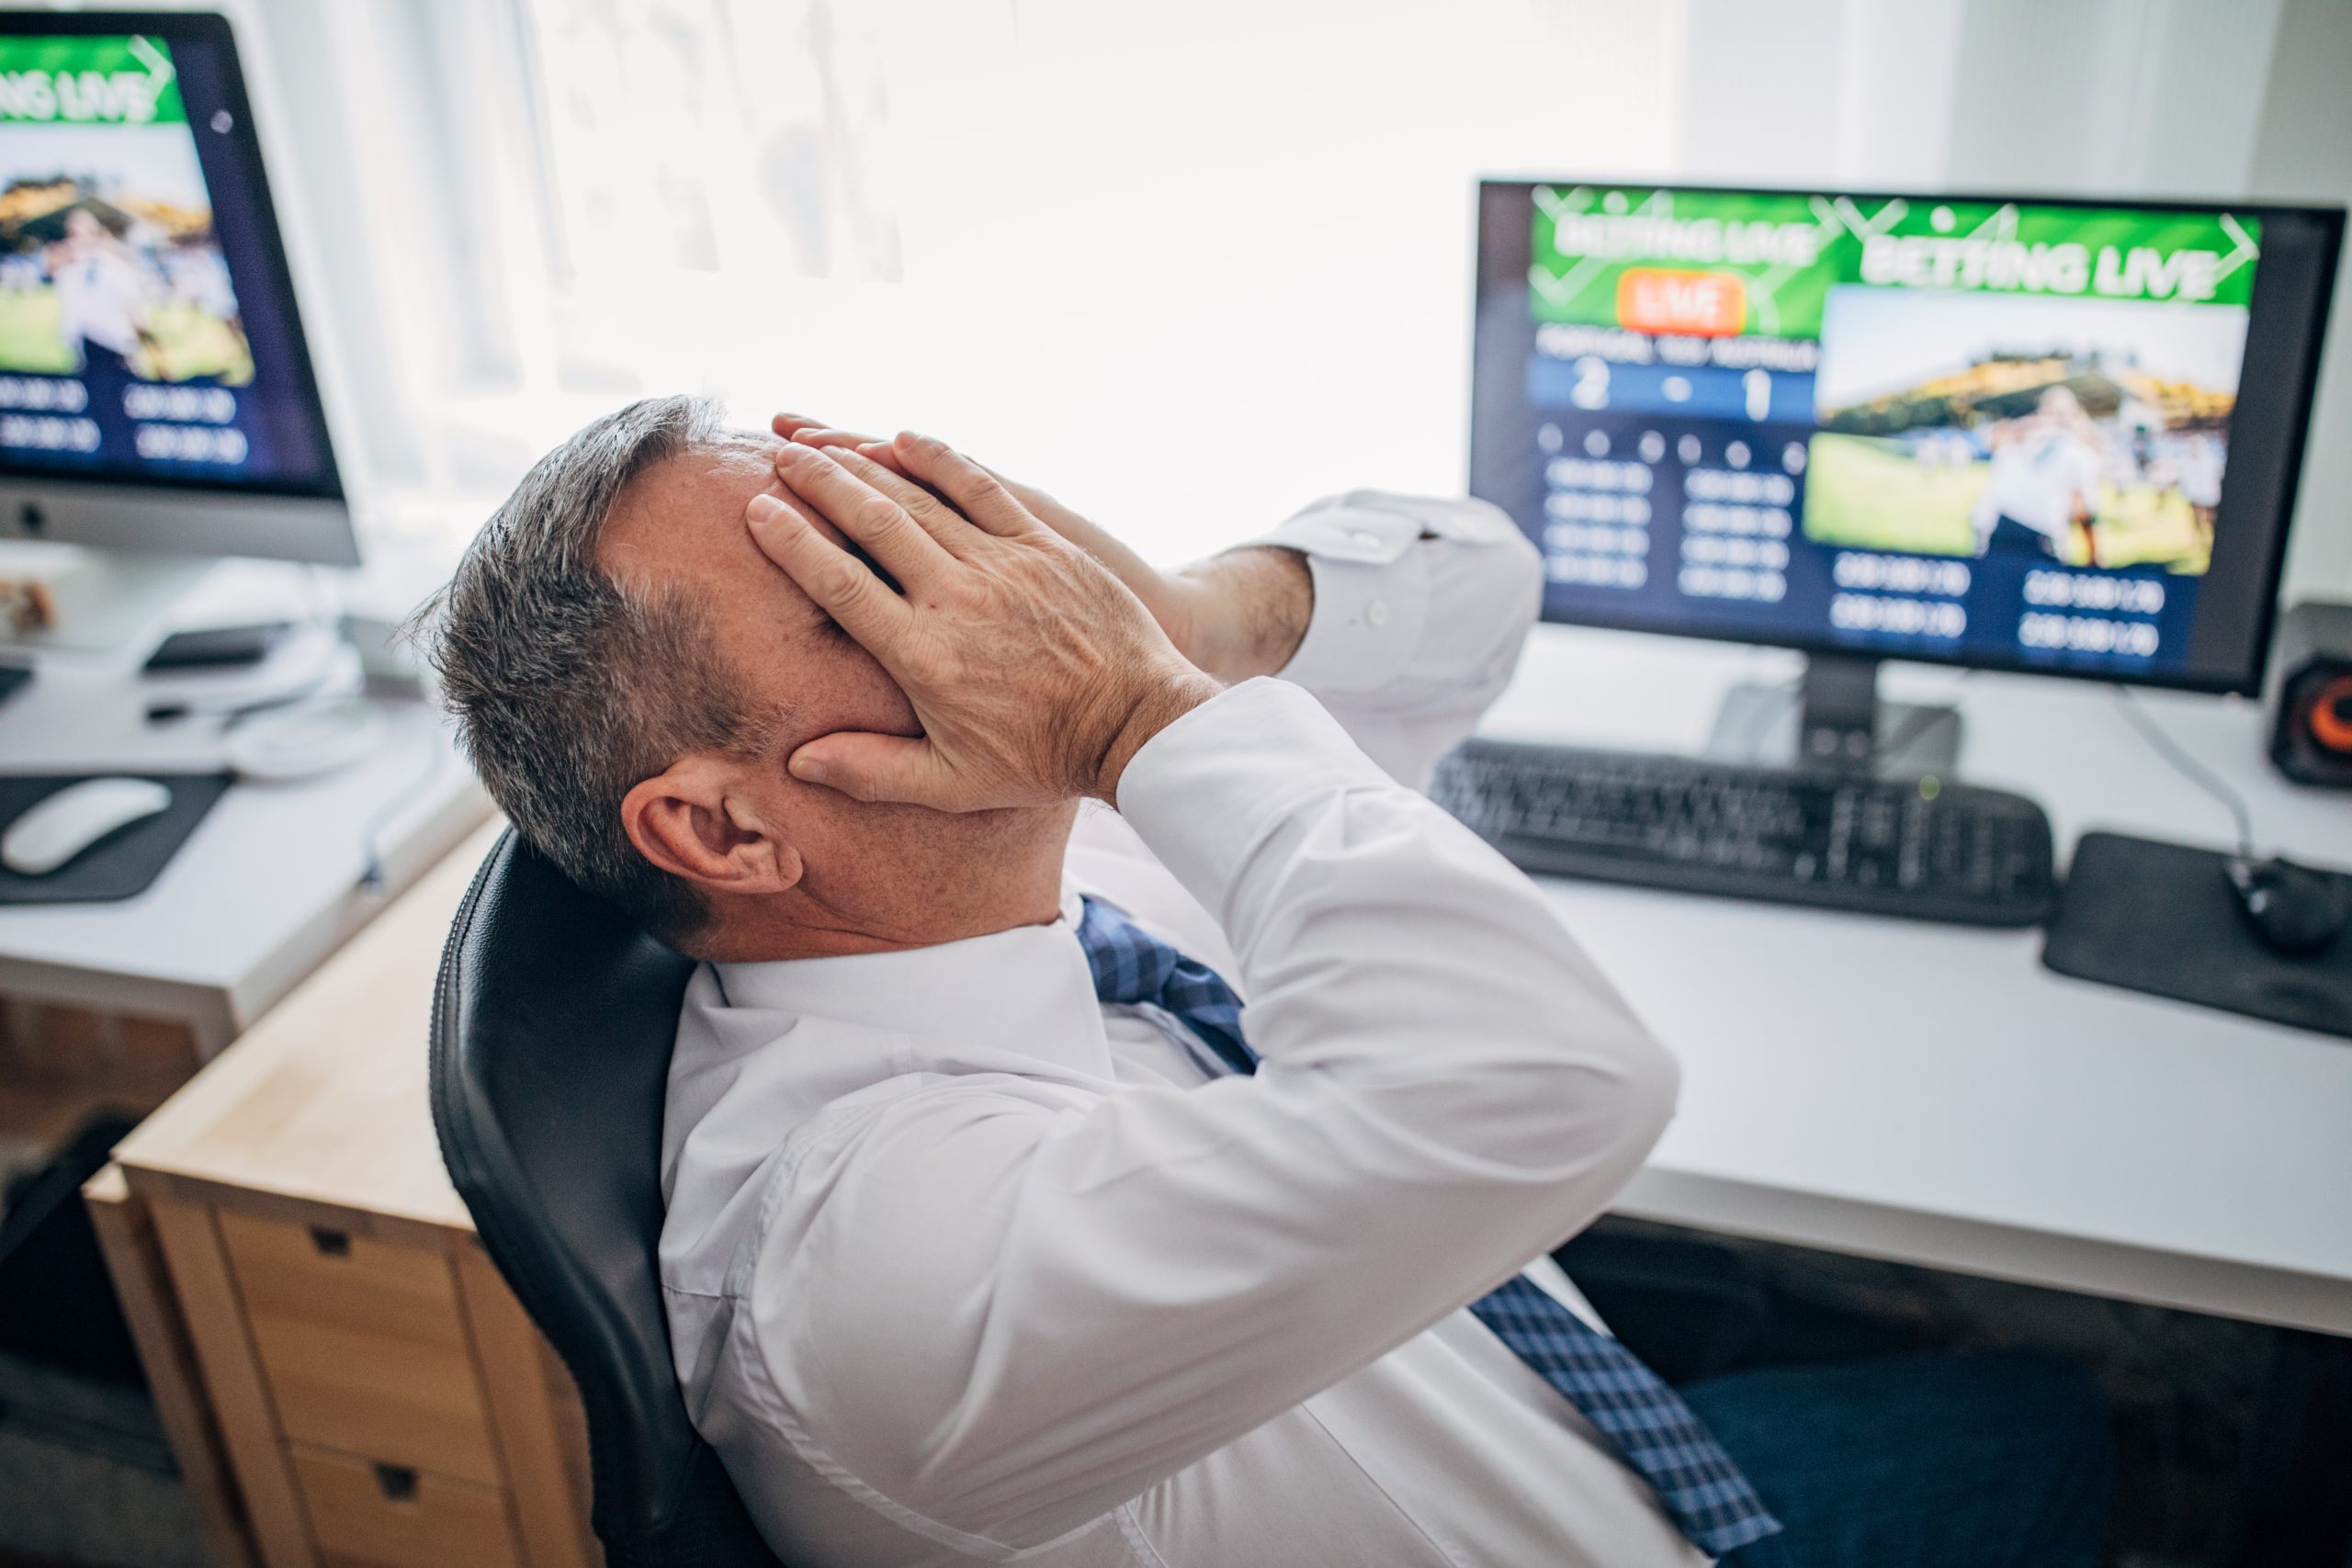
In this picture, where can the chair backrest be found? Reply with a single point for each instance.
(552, 1024)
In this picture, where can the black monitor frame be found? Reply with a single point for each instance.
(210, 31)
(2285, 336)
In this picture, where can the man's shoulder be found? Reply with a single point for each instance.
(869, 1174)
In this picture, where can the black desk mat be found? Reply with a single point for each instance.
(2163, 918)
(120, 865)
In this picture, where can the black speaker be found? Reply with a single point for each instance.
(2311, 702)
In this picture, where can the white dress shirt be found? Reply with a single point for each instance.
(963, 1266)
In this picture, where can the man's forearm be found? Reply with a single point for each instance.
(1250, 609)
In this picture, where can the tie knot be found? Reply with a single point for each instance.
(1130, 964)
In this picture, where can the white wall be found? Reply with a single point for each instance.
(1195, 264)
(1192, 266)
(2304, 150)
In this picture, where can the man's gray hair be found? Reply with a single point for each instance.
(570, 688)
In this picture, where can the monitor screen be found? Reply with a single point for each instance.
(148, 332)
(2019, 433)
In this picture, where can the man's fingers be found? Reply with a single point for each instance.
(932, 516)
(825, 435)
(817, 433)
(875, 767)
(813, 432)
(788, 425)
(977, 492)
(878, 524)
(841, 585)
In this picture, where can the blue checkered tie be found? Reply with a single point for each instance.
(1653, 1429)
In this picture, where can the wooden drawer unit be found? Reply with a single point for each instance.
(345, 1380)
(393, 1517)
(363, 1345)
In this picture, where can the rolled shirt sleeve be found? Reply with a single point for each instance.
(1421, 605)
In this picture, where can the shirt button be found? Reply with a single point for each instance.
(1364, 539)
(1376, 612)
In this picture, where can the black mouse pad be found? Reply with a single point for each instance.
(2163, 918)
(120, 865)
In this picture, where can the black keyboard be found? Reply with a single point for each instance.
(1877, 846)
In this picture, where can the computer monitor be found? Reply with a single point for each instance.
(156, 394)
(2021, 433)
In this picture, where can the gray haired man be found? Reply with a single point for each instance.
(1166, 1181)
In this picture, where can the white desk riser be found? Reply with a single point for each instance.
(268, 885)
(1931, 1094)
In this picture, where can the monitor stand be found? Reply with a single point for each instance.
(1835, 722)
(102, 599)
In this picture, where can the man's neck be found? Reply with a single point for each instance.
(757, 940)
(914, 905)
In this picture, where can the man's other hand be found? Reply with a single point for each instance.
(1035, 672)
(1235, 615)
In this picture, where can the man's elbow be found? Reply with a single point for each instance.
(1615, 1079)
(1652, 1086)
(1576, 1099)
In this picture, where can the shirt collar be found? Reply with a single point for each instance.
(1019, 1000)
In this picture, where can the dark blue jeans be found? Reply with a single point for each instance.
(1995, 1460)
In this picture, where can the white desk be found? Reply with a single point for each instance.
(267, 887)
(1931, 1094)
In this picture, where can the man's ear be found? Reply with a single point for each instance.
(697, 820)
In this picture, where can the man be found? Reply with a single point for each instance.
(2041, 493)
(997, 1230)
(102, 316)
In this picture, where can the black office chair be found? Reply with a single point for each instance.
(553, 1022)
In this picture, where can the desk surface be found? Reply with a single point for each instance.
(1925, 1093)
(325, 1100)
(1931, 1094)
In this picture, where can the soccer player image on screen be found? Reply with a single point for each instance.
(103, 318)
(2041, 491)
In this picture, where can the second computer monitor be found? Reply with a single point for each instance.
(2023, 434)
(156, 388)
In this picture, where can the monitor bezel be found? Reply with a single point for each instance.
(214, 28)
(2302, 384)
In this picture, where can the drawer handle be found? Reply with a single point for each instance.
(331, 1243)
(397, 1482)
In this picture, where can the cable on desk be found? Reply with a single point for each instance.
(374, 880)
(2188, 767)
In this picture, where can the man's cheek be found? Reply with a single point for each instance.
(861, 695)
(884, 697)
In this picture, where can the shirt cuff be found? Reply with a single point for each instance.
(1204, 792)
(1374, 558)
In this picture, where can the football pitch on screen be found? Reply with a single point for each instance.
(193, 341)
(1867, 492)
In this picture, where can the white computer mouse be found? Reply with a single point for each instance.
(60, 826)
